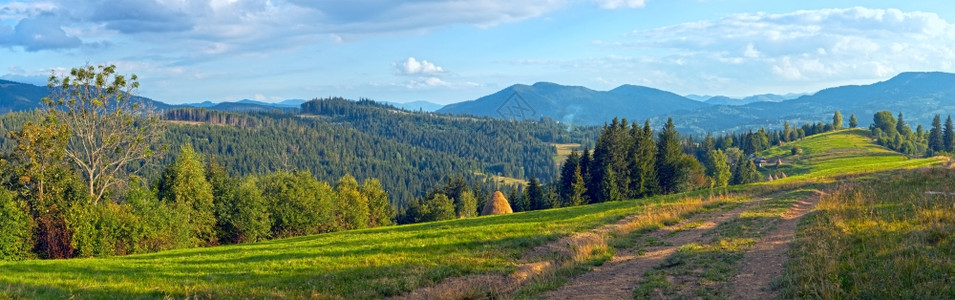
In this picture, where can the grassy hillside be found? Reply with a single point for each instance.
(836, 153)
(354, 264)
(891, 237)
(381, 262)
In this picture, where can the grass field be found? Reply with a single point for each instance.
(837, 153)
(563, 150)
(873, 228)
(891, 237)
(368, 263)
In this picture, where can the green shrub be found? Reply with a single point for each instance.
(16, 228)
(299, 204)
(158, 225)
(244, 218)
(100, 229)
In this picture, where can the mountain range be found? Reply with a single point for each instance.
(918, 95)
(574, 104)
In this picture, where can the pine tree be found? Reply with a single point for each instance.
(608, 187)
(837, 120)
(935, 140)
(440, 208)
(567, 174)
(948, 137)
(578, 195)
(643, 173)
(903, 128)
(669, 153)
(853, 122)
(745, 172)
(535, 195)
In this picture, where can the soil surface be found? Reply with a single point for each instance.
(764, 261)
(617, 278)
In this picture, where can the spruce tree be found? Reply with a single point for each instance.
(535, 195)
(578, 194)
(935, 140)
(567, 174)
(853, 122)
(948, 137)
(643, 174)
(607, 187)
(669, 152)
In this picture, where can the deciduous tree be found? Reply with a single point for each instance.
(109, 130)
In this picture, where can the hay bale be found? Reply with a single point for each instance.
(497, 206)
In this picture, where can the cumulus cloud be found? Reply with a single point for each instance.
(825, 44)
(615, 4)
(38, 33)
(412, 66)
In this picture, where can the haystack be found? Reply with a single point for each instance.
(497, 206)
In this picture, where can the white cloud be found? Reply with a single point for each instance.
(809, 45)
(412, 66)
(615, 4)
(216, 27)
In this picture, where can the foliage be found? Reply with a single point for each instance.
(380, 210)
(158, 224)
(16, 228)
(465, 206)
(244, 216)
(837, 120)
(351, 206)
(109, 133)
(719, 168)
(360, 264)
(184, 183)
(299, 204)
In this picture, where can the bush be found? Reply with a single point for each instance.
(245, 217)
(16, 228)
(298, 203)
(157, 225)
(795, 150)
(100, 229)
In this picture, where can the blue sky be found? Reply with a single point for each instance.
(451, 51)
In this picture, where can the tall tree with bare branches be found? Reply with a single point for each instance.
(110, 132)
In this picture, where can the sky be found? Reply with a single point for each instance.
(451, 51)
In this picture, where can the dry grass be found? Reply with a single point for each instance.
(885, 238)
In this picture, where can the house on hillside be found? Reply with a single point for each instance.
(760, 161)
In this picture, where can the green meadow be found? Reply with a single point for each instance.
(869, 229)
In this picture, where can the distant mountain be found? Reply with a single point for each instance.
(246, 105)
(574, 104)
(918, 95)
(700, 98)
(722, 100)
(16, 96)
(415, 105)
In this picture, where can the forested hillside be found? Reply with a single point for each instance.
(410, 152)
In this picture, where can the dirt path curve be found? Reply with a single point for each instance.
(478, 286)
(764, 261)
(617, 278)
